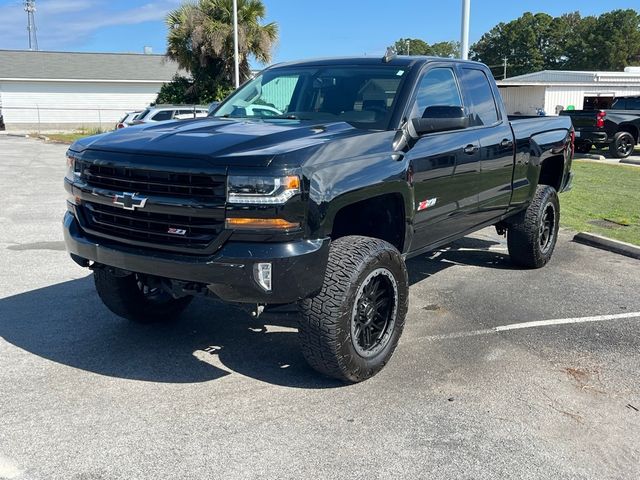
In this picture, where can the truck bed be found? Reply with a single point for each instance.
(525, 127)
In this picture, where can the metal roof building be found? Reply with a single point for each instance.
(553, 90)
(66, 90)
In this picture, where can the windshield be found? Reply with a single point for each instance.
(360, 95)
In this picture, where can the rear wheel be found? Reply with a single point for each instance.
(137, 297)
(622, 145)
(532, 234)
(351, 328)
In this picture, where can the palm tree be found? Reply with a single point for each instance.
(200, 37)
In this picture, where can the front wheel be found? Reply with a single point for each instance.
(137, 297)
(350, 329)
(532, 234)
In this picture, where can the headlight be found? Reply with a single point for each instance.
(262, 190)
(72, 168)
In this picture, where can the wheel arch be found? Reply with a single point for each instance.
(377, 212)
(552, 171)
(630, 128)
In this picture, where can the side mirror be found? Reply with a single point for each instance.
(438, 119)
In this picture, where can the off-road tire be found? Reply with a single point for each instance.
(329, 319)
(622, 145)
(124, 297)
(528, 246)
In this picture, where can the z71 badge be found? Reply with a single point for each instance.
(427, 203)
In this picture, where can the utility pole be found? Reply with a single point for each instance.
(235, 43)
(30, 8)
(504, 71)
(464, 35)
(408, 47)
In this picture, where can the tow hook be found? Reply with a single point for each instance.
(257, 310)
(501, 228)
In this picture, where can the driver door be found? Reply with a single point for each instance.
(445, 165)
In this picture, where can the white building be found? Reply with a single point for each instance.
(552, 90)
(64, 90)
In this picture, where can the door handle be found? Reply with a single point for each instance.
(470, 149)
(506, 143)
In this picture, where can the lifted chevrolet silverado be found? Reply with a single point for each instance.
(312, 184)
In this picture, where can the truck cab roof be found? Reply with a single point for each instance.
(405, 61)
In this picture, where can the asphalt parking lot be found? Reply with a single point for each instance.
(86, 395)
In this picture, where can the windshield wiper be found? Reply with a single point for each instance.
(286, 117)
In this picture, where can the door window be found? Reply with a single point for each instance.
(633, 104)
(163, 115)
(480, 100)
(438, 87)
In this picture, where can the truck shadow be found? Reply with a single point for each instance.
(468, 251)
(66, 323)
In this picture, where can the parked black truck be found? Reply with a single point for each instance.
(312, 184)
(616, 127)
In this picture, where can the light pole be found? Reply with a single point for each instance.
(235, 43)
(464, 36)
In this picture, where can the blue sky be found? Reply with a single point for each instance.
(307, 28)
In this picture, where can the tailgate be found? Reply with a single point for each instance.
(582, 119)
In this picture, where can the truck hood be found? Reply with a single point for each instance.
(219, 141)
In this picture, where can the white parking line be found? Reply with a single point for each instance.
(563, 321)
(539, 323)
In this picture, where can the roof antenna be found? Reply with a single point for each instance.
(389, 55)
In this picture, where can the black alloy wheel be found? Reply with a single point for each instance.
(374, 313)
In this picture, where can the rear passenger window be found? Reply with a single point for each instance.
(163, 115)
(437, 88)
(480, 101)
(619, 104)
(633, 104)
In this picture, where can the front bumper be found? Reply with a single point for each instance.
(297, 267)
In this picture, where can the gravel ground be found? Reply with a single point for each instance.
(86, 395)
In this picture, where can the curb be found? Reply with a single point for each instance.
(604, 243)
(630, 161)
(588, 156)
(20, 135)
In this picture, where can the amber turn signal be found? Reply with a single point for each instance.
(261, 224)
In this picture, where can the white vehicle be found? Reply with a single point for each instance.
(162, 113)
(128, 119)
(185, 116)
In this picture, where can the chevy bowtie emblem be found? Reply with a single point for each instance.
(129, 201)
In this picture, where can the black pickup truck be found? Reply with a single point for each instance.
(312, 184)
(616, 127)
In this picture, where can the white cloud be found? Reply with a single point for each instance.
(68, 23)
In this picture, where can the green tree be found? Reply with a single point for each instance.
(415, 46)
(538, 41)
(613, 38)
(200, 41)
(412, 46)
(445, 49)
(184, 90)
(527, 43)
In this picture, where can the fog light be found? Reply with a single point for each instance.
(262, 275)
